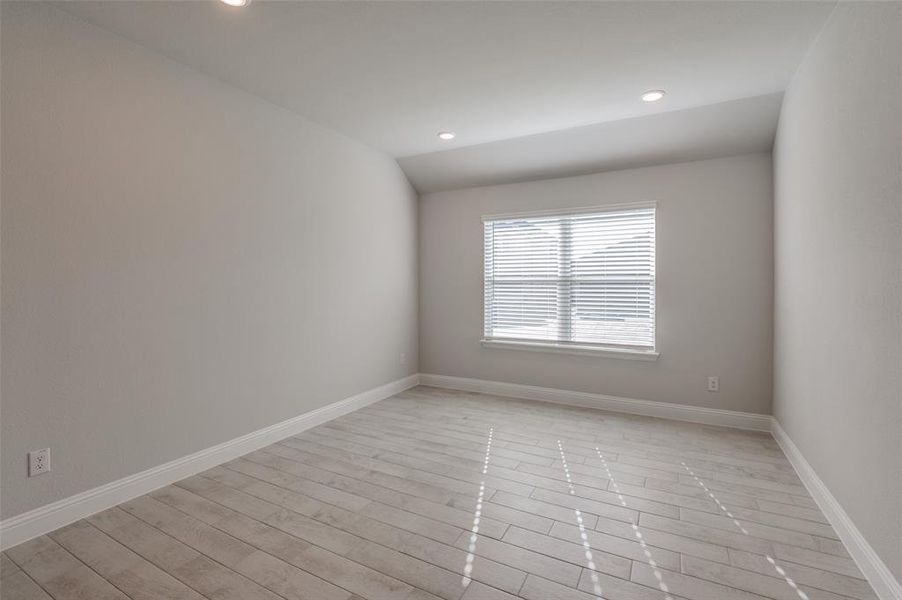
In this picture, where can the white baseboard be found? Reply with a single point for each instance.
(666, 410)
(45, 519)
(874, 569)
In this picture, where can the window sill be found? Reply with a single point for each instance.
(624, 353)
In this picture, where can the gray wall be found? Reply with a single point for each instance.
(714, 289)
(838, 334)
(182, 262)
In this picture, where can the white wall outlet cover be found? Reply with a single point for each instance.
(714, 384)
(38, 462)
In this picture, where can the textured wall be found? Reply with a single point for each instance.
(714, 284)
(182, 262)
(838, 335)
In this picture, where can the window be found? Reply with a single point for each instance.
(580, 280)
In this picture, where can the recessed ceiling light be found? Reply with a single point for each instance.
(238, 3)
(651, 95)
(446, 135)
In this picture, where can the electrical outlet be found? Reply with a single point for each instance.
(403, 359)
(38, 462)
(714, 384)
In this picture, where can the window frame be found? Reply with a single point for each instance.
(562, 347)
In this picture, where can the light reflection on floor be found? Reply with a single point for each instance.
(649, 558)
(477, 515)
(590, 560)
(780, 570)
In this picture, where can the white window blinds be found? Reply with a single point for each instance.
(582, 279)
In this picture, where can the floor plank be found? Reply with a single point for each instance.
(404, 500)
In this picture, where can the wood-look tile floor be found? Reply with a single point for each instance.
(440, 494)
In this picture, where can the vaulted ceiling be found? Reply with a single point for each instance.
(501, 75)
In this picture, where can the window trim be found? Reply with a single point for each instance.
(602, 350)
(571, 211)
(558, 348)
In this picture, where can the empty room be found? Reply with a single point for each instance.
(450, 300)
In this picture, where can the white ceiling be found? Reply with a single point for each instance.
(724, 129)
(393, 74)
